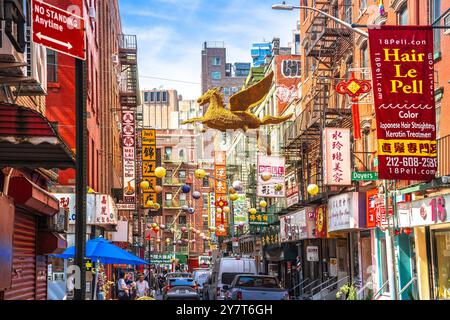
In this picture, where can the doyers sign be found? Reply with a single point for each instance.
(403, 81)
(58, 29)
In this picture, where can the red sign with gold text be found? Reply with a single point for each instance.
(220, 190)
(403, 82)
(288, 75)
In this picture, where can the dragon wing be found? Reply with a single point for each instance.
(252, 96)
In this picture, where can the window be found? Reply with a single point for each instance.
(169, 197)
(167, 153)
(216, 75)
(164, 96)
(348, 11)
(158, 97)
(226, 91)
(52, 66)
(205, 200)
(182, 220)
(152, 96)
(169, 220)
(216, 61)
(364, 56)
(182, 199)
(205, 182)
(435, 14)
(402, 15)
(182, 175)
(147, 97)
(181, 154)
(362, 5)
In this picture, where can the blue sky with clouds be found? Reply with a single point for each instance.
(171, 33)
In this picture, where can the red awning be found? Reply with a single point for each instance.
(32, 197)
(28, 140)
(50, 243)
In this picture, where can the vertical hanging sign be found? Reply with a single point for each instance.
(336, 148)
(129, 158)
(148, 168)
(402, 60)
(220, 190)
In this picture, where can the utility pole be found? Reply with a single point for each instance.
(390, 249)
(81, 177)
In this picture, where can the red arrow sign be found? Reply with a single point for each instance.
(59, 30)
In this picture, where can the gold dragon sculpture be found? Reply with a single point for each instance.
(238, 115)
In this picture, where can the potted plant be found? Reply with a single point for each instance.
(347, 292)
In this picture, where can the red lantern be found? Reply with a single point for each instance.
(407, 231)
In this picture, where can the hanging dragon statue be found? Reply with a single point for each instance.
(237, 115)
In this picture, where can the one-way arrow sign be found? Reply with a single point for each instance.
(58, 29)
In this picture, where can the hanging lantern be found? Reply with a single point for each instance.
(233, 197)
(237, 185)
(200, 173)
(162, 226)
(278, 187)
(266, 176)
(202, 235)
(156, 206)
(253, 211)
(197, 231)
(167, 240)
(158, 189)
(160, 172)
(191, 210)
(183, 229)
(145, 184)
(313, 189)
(185, 208)
(263, 204)
(219, 210)
(192, 228)
(193, 241)
(226, 209)
(154, 225)
(179, 242)
(407, 231)
(196, 195)
(150, 203)
(186, 189)
(231, 191)
(156, 229)
(158, 240)
(213, 229)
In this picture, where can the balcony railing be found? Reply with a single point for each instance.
(174, 181)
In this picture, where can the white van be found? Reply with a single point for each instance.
(224, 271)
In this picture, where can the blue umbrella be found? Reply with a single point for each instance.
(105, 252)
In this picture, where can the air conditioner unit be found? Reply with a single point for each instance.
(35, 82)
(115, 59)
(92, 13)
(13, 60)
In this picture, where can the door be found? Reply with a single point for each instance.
(342, 258)
(24, 259)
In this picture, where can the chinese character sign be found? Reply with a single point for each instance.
(288, 75)
(403, 82)
(240, 210)
(258, 219)
(129, 156)
(336, 148)
(275, 187)
(105, 210)
(149, 164)
(220, 190)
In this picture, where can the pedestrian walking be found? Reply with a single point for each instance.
(122, 288)
(142, 287)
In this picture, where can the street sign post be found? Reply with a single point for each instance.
(58, 30)
(364, 176)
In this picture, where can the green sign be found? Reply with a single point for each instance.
(364, 176)
(161, 258)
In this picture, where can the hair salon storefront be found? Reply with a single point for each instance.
(430, 218)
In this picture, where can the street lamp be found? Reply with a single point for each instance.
(287, 7)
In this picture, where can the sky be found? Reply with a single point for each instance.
(171, 33)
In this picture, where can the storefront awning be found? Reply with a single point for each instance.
(28, 140)
(51, 243)
(32, 197)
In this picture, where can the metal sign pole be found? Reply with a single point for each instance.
(81, 178)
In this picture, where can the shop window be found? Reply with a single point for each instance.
(441, 263)
(182, 220)
(52, 66)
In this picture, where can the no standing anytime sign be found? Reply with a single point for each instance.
(59, 30)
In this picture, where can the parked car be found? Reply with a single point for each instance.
(178, 274)
(224, 271)
(181, 289)
(252, 287)
(200, 276)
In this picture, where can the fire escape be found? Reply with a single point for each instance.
(129, 82)
(326, 45)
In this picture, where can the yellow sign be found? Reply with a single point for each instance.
(147, 197)
(148, 168)
(426, 148)
(148, 137)
(149, 153)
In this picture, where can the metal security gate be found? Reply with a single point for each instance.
(24, 259)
